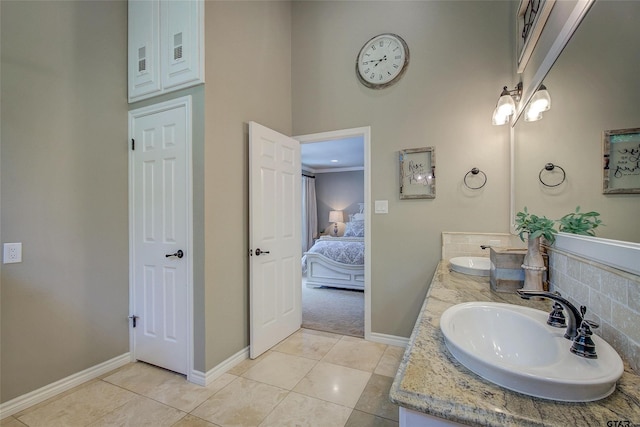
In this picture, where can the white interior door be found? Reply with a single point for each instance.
(275, 229)
(160, 237)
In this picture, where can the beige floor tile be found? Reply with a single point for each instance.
(375, 398)
(297, 410)
(80, 408)
(244, 402)
(246, 364)
(360, 419)
(56, 397)
(181, 394)
(334, 383)
(141, 378)
(307, 343)
(322, 333)
(11, 422)
(191, 421)
(165, 386)
(355, 353)
(390, 361)
(141, 411)
(280, 370)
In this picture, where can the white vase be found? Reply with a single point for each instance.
(533, 266)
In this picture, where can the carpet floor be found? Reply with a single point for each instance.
(340, 311)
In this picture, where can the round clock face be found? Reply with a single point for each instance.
(382, 61)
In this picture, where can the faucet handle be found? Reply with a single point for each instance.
(583, 344)
(556, 317)
(589, 323)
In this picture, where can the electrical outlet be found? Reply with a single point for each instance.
(12, 253)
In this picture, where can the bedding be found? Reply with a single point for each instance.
(345, 250)
(338, 262)
(354, 229)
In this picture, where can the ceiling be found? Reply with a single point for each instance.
(317, 156)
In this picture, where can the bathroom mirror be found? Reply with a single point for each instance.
(594, 87)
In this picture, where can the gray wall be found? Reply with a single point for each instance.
(64, 159)
(338, 191)
(64, 189)
(248, 66)
(590, 92)
(460, 59)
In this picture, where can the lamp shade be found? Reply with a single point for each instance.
(499, 119)
(541, 100)
(506, 105)
(336, 216)
(532, 115)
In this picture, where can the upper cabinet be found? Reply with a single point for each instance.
(166, 46)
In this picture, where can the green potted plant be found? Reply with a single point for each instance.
(535, 227)
(577, 222)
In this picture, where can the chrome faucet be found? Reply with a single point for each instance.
(574, 316)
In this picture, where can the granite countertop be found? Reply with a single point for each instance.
(431, 381)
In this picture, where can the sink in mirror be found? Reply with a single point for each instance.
(472, 265)
(513, 347)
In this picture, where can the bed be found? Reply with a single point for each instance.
(337, 262)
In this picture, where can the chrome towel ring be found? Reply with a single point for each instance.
(550, 167)
(473, 172)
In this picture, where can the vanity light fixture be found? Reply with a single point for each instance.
(540, 102)
(506, 105)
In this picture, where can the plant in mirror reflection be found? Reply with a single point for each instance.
(577, 222)
(583, 223)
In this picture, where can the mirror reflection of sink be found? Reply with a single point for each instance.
(513, 347)
(472, 265)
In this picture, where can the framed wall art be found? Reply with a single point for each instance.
(530, 20)
(621, 157)
(418, 173)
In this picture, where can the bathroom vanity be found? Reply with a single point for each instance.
(433, 389)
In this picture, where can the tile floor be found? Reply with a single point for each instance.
(310, 379)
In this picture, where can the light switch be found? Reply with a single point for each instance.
(382, 206)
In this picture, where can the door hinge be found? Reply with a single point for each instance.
(134, 319)
(133, 144)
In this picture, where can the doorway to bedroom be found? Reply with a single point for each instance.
(335, 235)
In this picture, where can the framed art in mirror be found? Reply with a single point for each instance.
(621, 156)
(532, 15)
(418, 173)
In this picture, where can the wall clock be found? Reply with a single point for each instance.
(382, 61)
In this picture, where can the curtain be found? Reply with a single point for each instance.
(309, 212)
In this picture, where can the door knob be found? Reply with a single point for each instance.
(258, 252)
(179, 254)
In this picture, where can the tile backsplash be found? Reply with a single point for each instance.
(456, 244)
(612, 298)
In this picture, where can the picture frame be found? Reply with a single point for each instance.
(530, 20)
(621, 161)
(417, 173)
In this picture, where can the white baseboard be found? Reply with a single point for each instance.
(204, 379)
(23, 402)
(388, 339)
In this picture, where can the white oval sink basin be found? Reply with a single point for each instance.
(473, 265)
(513, 347)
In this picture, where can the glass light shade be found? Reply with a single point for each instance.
(541, 100)
(499, 119)
(506, 105)
(531, 114)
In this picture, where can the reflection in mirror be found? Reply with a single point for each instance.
(595, 88)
